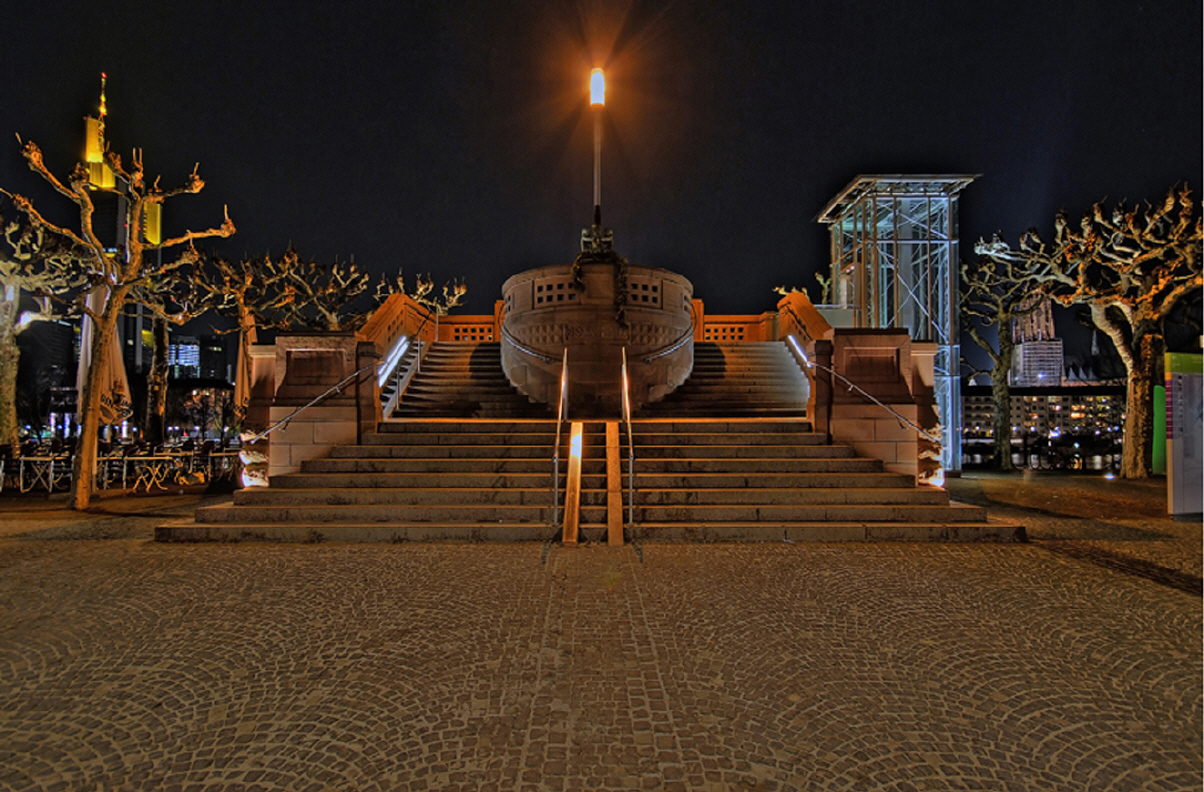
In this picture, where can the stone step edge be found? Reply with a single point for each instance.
(645, 534)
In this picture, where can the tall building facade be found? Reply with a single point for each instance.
(1039, 360)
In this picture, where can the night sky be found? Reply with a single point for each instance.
(453, 137)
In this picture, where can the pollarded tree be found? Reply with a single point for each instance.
(996, 290)
(423, 293)
(173, 296)
(1129, 267)
(251, 292)
(320, 296)
(45, 269)
(118, 275)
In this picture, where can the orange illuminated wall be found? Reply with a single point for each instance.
(717, 327)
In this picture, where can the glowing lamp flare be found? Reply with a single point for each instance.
(597, 87)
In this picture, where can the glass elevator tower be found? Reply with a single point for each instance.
(894, 243)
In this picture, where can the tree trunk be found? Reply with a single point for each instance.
(1001, 395)
(10, 357)
(1137, 454)
(83, 467)
(156, 385)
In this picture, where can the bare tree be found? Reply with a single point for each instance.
(175, 297)
(320, 296)
(453, 293)
(45, 269)
(996, 290)
(250, 291)
(122, 275)
(1129, 267)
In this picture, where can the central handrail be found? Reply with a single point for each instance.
(677, 344)
(526, 350)
(561, 415)
(630, 453)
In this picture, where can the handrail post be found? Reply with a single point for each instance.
(630, 450)
(561, 414)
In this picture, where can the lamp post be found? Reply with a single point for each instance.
(597, 101)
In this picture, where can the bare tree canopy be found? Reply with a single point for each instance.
(120, 275)
(996, 290)
(1130, 268)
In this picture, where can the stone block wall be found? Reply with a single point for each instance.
(884, 364)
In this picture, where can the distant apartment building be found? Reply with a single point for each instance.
(1091, 415)
(1085, 409)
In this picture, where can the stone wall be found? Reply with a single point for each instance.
(887, 366)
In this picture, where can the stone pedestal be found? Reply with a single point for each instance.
(880, 363)
(545, 315)
(307, 365)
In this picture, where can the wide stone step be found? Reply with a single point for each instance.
(718, 425)
(486, 465)
(709, 410)
(780, 496)
(857, 531)
(766, 466)
(448, 450)
(386, 512)
(465, 427)
(644, 439)
(460, 531)
(648, 452)
(374, 480)
(769, 481)
(839, 512)
(391, 531)
(510, 439)
(411, 496)
(496, 381)
(468, 411)
(464, 395)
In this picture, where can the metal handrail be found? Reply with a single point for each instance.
(396, 373)
(561, 415)
(902, 419)
(630, 455)
(679, 343)
(526, 350)
(798, 322)
(331, 391)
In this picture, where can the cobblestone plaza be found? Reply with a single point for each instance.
(1069, 663)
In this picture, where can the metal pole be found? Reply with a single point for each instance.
(598, 155)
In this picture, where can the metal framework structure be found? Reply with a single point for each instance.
(894, 247)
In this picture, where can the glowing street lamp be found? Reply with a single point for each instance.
(597, 101)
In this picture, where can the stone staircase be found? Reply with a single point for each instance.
(450, 473)
(464, 379)
(760, 480)
(736, 379)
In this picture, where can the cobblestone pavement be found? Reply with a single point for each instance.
(127, 665)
